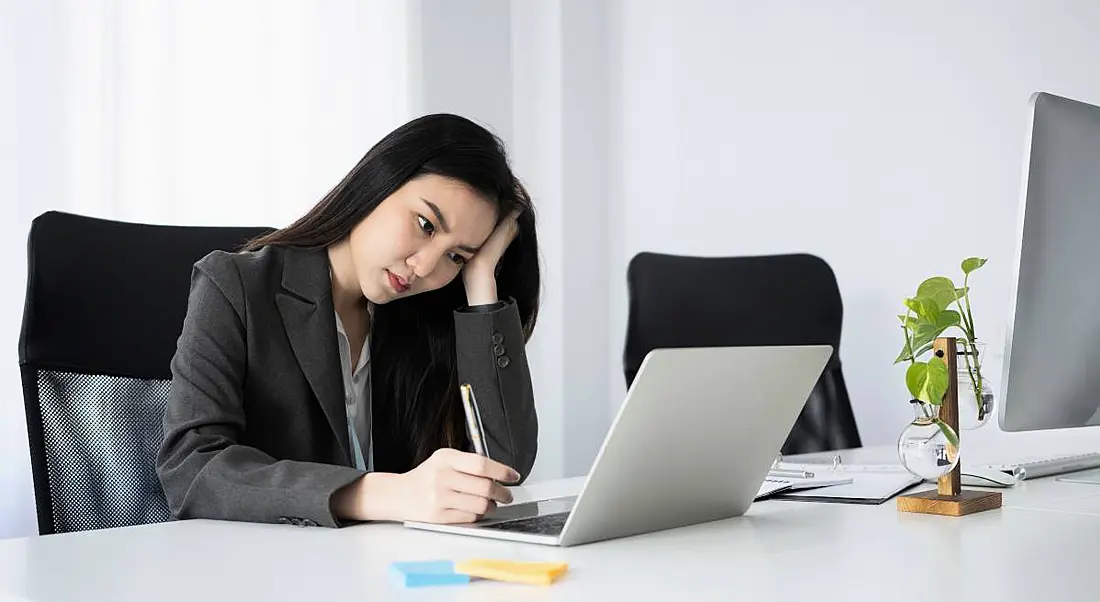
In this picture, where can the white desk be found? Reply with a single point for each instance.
(1046, 537)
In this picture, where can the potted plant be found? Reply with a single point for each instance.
(938, 307)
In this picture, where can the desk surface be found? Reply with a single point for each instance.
(1045, 537)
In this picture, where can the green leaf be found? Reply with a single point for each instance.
(925, 308)
(952, 438)
(924, 334)
(903, 356)
(947, 319)
(927, 332)
(927, 381)
(961, 292)
(938, 289)
(915, 377)
(908, 321)
(936, 385)
(972, 263)
(933, 285)
(932, 310)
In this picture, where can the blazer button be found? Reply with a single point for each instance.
(498, 338)
(503, 361)
(498, 350)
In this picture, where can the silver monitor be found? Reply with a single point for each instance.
(1051, 376)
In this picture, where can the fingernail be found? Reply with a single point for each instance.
(515, 476)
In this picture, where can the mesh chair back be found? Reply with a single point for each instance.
(104, 307)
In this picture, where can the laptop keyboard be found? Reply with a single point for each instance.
(546, 524)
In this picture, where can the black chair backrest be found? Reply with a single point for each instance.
(682, 301)
(104, 307)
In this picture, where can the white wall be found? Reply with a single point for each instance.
(561, 150)
(536, 63)
(535, 73)
(30, 89)
(842, 129)
(154, 111)
(471, 62)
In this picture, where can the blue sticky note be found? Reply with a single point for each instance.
(426, 573)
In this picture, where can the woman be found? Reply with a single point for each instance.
(316, 378)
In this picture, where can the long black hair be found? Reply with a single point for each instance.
(412, 345)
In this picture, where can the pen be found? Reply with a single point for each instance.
(473, 419)
(797, 474)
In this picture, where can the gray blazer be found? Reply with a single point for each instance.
(255, 428)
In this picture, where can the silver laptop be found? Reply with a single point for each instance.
(692, 443)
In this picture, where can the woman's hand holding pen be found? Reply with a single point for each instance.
(455, 487)
(449, 487)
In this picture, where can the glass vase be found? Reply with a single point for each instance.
(924, 447)
(972, 378)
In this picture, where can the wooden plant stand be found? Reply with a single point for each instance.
(948, 499)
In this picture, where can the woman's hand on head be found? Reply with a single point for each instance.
(479, 274)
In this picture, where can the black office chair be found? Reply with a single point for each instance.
(680, 301)
(104, 308)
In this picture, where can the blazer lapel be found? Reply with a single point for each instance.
(310, 321)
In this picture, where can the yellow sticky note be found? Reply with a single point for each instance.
(531, 573)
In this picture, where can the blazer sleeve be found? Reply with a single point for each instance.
(492, 358)
(204, 471)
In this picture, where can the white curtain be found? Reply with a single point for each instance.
(179, 111)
